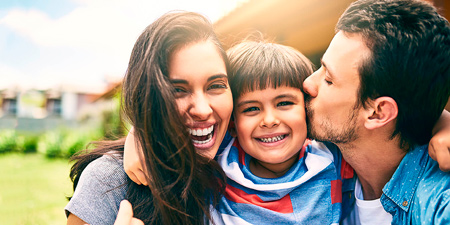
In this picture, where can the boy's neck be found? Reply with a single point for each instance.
(268, 170)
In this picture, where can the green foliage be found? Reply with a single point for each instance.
(63, 143)
(50, 144)
(30, 143)
(9, 142)
(112, 124)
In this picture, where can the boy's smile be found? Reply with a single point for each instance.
(271, 126)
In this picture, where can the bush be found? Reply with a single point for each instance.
(30, 143)
(9, 142)
(78, 140)
(63, 143)
(50, 144)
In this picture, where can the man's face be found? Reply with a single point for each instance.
(332, 105)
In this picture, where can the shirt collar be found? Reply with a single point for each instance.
(401, 187)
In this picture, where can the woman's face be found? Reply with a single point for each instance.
(198, 74)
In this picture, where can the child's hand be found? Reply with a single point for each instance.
(439, 147)
(125, 215)
(131, 160)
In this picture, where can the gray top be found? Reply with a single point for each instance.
(101, 187)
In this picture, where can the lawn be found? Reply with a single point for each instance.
(33, 189)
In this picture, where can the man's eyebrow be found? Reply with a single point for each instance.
(330, 71)
(213, 77)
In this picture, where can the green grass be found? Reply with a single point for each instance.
(33, 189)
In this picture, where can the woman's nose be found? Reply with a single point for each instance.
(200, 107)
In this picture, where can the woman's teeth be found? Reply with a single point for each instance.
(272, 139)
(203, 142)
(201, 132)
(201, 136)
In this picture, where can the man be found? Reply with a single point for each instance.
(383, 83)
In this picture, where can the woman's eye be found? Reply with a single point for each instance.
(178, 90)
(250, 109)
(285, 103)
(328, 82)
(217, 86)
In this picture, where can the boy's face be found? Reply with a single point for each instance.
(270, 124)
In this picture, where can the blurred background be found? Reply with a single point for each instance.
(61, 66)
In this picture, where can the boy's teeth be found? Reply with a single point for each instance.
(272, 139)
(201, 132)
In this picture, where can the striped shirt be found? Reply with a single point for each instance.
(309, 193)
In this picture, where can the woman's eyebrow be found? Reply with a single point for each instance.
(178, 81)
(213, 77)
(217, 76)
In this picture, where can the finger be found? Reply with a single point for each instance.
(133, 177)
(135, 221)
(141, 177)
(125, 214)
(432, 151)
(443, 158)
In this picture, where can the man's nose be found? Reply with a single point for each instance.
(310, 85)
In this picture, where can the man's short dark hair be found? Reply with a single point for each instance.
(410, 61)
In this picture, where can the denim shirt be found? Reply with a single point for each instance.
(418, 192)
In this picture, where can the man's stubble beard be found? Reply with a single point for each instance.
(330, 133)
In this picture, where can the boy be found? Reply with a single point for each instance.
(274, 174)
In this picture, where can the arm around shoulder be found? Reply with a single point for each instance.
(439, 147)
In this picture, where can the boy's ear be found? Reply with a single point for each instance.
(232, 127)
(382, 111)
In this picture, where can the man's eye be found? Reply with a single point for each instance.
(285, 103)
(251, 109)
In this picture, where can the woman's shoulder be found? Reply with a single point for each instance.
(106, 168)
(102, 185)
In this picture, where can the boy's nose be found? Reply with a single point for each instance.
(269, 120)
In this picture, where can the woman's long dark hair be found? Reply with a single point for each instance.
(182, 183)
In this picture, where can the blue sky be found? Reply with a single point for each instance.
(80, 44)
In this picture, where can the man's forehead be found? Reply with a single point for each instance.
(345, 53)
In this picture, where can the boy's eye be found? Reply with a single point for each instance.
(251, 109)
(285, 103)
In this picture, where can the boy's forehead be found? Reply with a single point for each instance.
(245, 94)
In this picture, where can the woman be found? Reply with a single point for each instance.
(176, 96)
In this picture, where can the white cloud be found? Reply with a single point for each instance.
(102, 30)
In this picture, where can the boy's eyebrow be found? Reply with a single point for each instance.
(286, 95)
(245, 102)
(213, 77)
